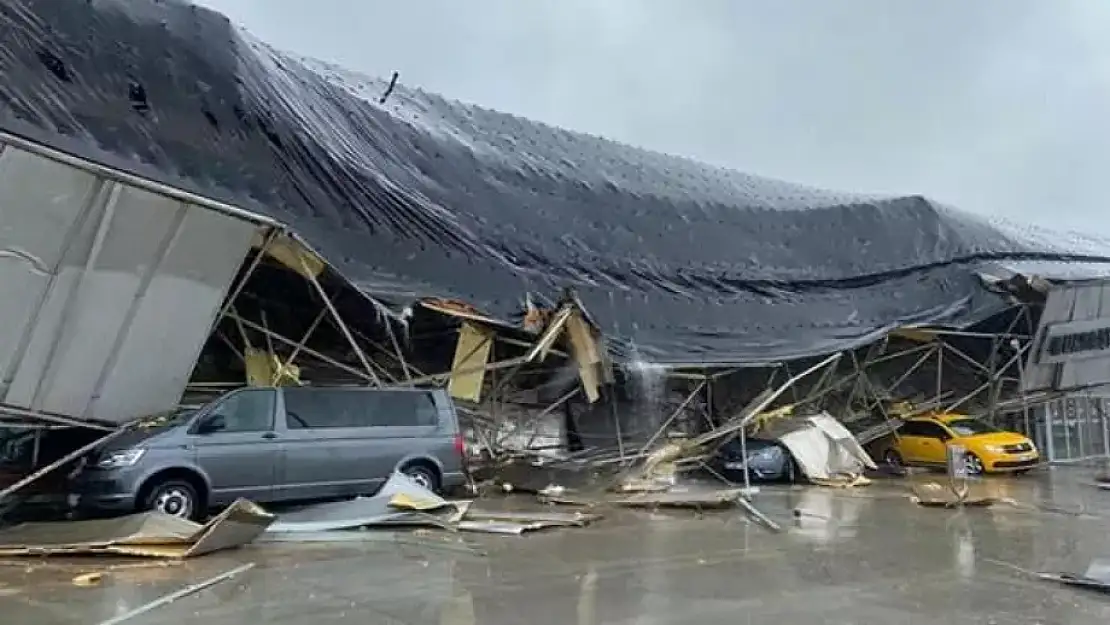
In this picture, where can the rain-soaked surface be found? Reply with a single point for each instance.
(866, 555)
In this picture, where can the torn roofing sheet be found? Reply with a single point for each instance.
(147, 534)
(426, 197)
(400, 501)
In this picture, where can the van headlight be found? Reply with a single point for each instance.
(121, 458)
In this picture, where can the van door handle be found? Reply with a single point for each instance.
(269, 435)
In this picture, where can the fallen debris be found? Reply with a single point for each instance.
(148, 535)
(402, 502)
(89, 579)
(179, 594)
(937, 495)
(683, 498)
(826, 452)
(1097, 576)
(399, 502)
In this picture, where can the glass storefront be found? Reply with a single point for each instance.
(1073, 429)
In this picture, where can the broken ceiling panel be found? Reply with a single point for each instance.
(472, 354)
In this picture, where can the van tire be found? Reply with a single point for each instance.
(424, 474)
(174, 496)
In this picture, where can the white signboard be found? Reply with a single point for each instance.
(1071, 349)
(1074, 340)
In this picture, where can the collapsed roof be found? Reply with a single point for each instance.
(421, 196)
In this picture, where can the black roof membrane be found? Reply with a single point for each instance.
(423, 196)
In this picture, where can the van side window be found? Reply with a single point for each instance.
(400, 409)
(246, 411)
(317, 408)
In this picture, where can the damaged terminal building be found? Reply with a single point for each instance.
(185, 210)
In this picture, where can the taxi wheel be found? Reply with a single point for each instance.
(974, 464)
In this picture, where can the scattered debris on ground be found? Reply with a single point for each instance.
(403, 502)
(940, 495)
(147, 535)
(1096, 577)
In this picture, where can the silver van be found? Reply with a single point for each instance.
(276, 445)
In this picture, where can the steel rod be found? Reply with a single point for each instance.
(174, 596)
(7, 492)
(307, 350)
(300, 344)
(674, 415)
(339, 322)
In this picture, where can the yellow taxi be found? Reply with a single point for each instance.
(922, 441)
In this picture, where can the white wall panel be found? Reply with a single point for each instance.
(1071, 308)
(109, 293)
(40, 203)
(172, 318)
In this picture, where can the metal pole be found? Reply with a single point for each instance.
(339, 322)
(397, 348)
(709, 401)
(940, 370)
(793, 387)
(979, 389)
(1021, 376)
(546, 411)
(744, 455)
(616, 423)
(385, 352)
(271, 236)
(674, 415)
(968, 359)
(493, 366)
(300, 345)
(307, 350)
(4, 494)
(759, 404)
(36, 448)
(992, 374)
(1105, 427)
(22, 413)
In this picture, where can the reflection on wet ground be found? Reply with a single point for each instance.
(866, 555)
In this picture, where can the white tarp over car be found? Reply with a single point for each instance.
(824, 449)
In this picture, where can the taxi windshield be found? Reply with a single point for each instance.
(970, 427)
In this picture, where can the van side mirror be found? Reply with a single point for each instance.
(211, 423)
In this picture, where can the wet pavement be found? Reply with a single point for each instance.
(864, 555)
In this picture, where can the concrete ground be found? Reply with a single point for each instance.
(864, 555)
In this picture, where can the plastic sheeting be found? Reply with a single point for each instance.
(423, 196)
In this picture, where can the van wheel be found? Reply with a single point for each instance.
(174, 497)
(423, 475)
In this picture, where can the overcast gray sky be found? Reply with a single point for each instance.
(997, 106)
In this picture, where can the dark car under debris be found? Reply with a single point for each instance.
(767, 462)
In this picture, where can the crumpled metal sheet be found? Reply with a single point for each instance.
(683, 498)
(517, 523)
(400, 501)
(1097, 576)
(426, 197)
(148, 534)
